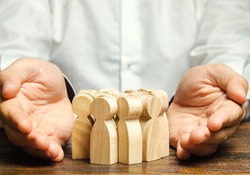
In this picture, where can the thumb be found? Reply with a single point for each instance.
(234, 84)
(10, 83)
(237, 89)
(11, 78)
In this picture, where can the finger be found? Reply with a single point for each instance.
(38, 153)
(181, 153)
(10, 87)
(202, 149)
(54, 152)
(237, 89)
(12, 115)
(199, 135)
(34, 140)
(234, 84)
(11, 79)
(221, 136)
(227, 115)
(22, 70)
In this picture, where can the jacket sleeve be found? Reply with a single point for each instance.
(25, 30)
(223, 34)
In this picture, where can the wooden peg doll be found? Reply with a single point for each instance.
(82, 127)
(103, 140)
(129, 130)
(163, 121)
(149, 125)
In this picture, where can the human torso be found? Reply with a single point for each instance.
(124, 44)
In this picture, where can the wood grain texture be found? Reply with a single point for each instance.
(150, 127)
(232, 157)
(103, 137)
(153, 128)
(163, 122)
(129, 130)
(82, 127)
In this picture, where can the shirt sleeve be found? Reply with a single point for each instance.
(223, 34)
(25, 30)
(247, 76)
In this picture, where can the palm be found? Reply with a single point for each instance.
(44, 105)
(41, 100)
(201, 113)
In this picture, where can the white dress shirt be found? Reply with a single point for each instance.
(127, 44)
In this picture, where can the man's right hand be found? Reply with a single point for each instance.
(35, 110)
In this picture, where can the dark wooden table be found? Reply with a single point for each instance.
(232, 157)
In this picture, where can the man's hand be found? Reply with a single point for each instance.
(35, 110)
(206, 110)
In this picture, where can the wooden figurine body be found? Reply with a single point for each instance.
(129, 130)
(150, 127)
(103, 140)
(82, 127)
(163, 122)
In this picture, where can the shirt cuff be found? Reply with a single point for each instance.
(247, 117)
(70, 90)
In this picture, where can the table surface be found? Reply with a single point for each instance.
(232, 157)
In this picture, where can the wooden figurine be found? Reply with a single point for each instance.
(103, 139)
(114, 93)
(129, 130)
(82, 127)
(162, 118)
(91, 92)
(163, 122)
(150, 127)
(142, 125)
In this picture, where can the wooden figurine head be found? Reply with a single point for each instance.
(163, 96)
(104, 107)
(129, 107)
(81, 104)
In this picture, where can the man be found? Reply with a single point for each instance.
(124, 45)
